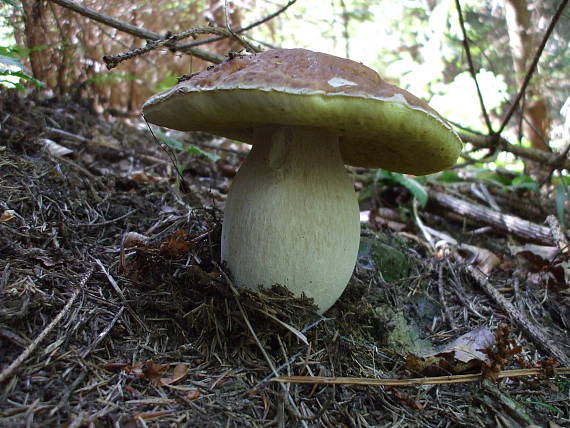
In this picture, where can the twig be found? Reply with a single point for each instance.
(472, 67)
(134, 30)
(103, 334)
(535, 333)
(533, 65)
(248, 46)
(107, 222)
(170, 42)
(503, 222)
(121, 294)
(558, 234)
(239, 30)
(9, 371)
(443, 300)
(492, 141)
(436, 380)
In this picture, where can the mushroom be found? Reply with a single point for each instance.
(291, 216)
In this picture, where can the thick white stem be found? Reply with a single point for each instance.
(291, 216)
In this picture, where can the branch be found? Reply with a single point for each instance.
(239, 30)
(503, 222)
(472, 67)
(170, 42)
(494, 141)
(532, 67)
(134, 30)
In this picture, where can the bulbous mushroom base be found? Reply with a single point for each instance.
(292, 216)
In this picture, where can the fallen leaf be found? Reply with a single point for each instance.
(148, 370)
(192, 394)
(7, 215)
(54, 148)
(175, 245)
(464, 354)
(482, 258)
(180, 372)
(547, 265)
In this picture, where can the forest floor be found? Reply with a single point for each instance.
(115, 310)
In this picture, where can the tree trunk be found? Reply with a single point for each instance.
(536, 125)
(34, 36)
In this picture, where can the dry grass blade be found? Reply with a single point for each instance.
(438, 380)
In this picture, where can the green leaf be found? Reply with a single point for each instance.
(448, 176)
(415, 188)
(188, 148)
(524, 182)
(562, 195)
(22, 76)
(411, 184)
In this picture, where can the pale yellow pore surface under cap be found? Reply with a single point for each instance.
(379, 125)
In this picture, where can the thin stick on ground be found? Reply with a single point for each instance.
(9, 371)
(535, 333)
(436, 380)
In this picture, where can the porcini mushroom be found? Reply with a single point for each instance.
(291, 216)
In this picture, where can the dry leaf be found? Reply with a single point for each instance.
(462, 355)
(148, 370)
(7, 215)
(180, 372)
(192, 394)
(54, 148)
(482, 258)
(175, 245)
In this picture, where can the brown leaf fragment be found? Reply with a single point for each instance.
(192, 394)
(180, 372)
(547, 265)
(143, 178)
(115, 366)
(148, 370)
(153, 415)
(408, 401)
(462, 355)
(482, 258)
(175, 245)
(499, 355)
(7, 215)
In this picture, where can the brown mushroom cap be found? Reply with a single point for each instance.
(379, 125)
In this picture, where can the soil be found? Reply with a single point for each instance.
(115, 309)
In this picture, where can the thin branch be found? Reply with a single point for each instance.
(436, 380)
(536, 333)
(134, 30)
(495, 141)
(170, 42)
(533, 65)
(9, 371)
(472, 67)
(240, 30)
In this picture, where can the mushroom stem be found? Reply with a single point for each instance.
(292, 216)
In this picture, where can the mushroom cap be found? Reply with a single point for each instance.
(379, 125)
